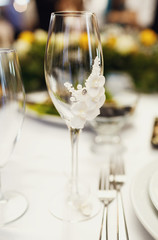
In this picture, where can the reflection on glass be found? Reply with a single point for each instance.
(12, 107)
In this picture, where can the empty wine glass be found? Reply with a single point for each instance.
(117, 111)
(12, 106)
(73, 70)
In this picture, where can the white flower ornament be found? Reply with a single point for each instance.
(87, 101)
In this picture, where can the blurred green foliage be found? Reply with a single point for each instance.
(140, 61)
(142, 67)
(32, 66)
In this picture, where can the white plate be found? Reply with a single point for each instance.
(37, 97)
(142, 204)
(153, 189)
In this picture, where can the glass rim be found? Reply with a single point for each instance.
(7, 50)
(72, 13)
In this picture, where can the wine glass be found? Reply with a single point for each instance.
(116, 113)
(73, 71)
(12, 107)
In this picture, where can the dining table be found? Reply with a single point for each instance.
(40, 164)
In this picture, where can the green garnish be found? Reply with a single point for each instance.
(43, 108)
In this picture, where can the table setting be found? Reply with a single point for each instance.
(77, 179)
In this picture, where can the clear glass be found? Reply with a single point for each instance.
(12, 107)
(116, 112)
(72, 47)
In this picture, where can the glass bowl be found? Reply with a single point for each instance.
(120, 104)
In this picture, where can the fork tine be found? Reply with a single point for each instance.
(120, 170)
(112, 172)
(122, 166)
(106, 178)
(100, 181)
(103, 179)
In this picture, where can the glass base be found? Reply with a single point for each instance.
(13, 205)
(74, 206)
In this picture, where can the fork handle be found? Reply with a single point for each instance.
(119, 193)
(118, 227)
(124, 216)
(102, 222)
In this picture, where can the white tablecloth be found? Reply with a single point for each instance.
(41, 158)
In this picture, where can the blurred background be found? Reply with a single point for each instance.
(20, 15)
(128, 35)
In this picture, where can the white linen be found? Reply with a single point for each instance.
(39, 166)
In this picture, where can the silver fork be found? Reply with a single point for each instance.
(106, 196)
(117, 178)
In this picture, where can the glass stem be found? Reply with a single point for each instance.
(74, 135)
